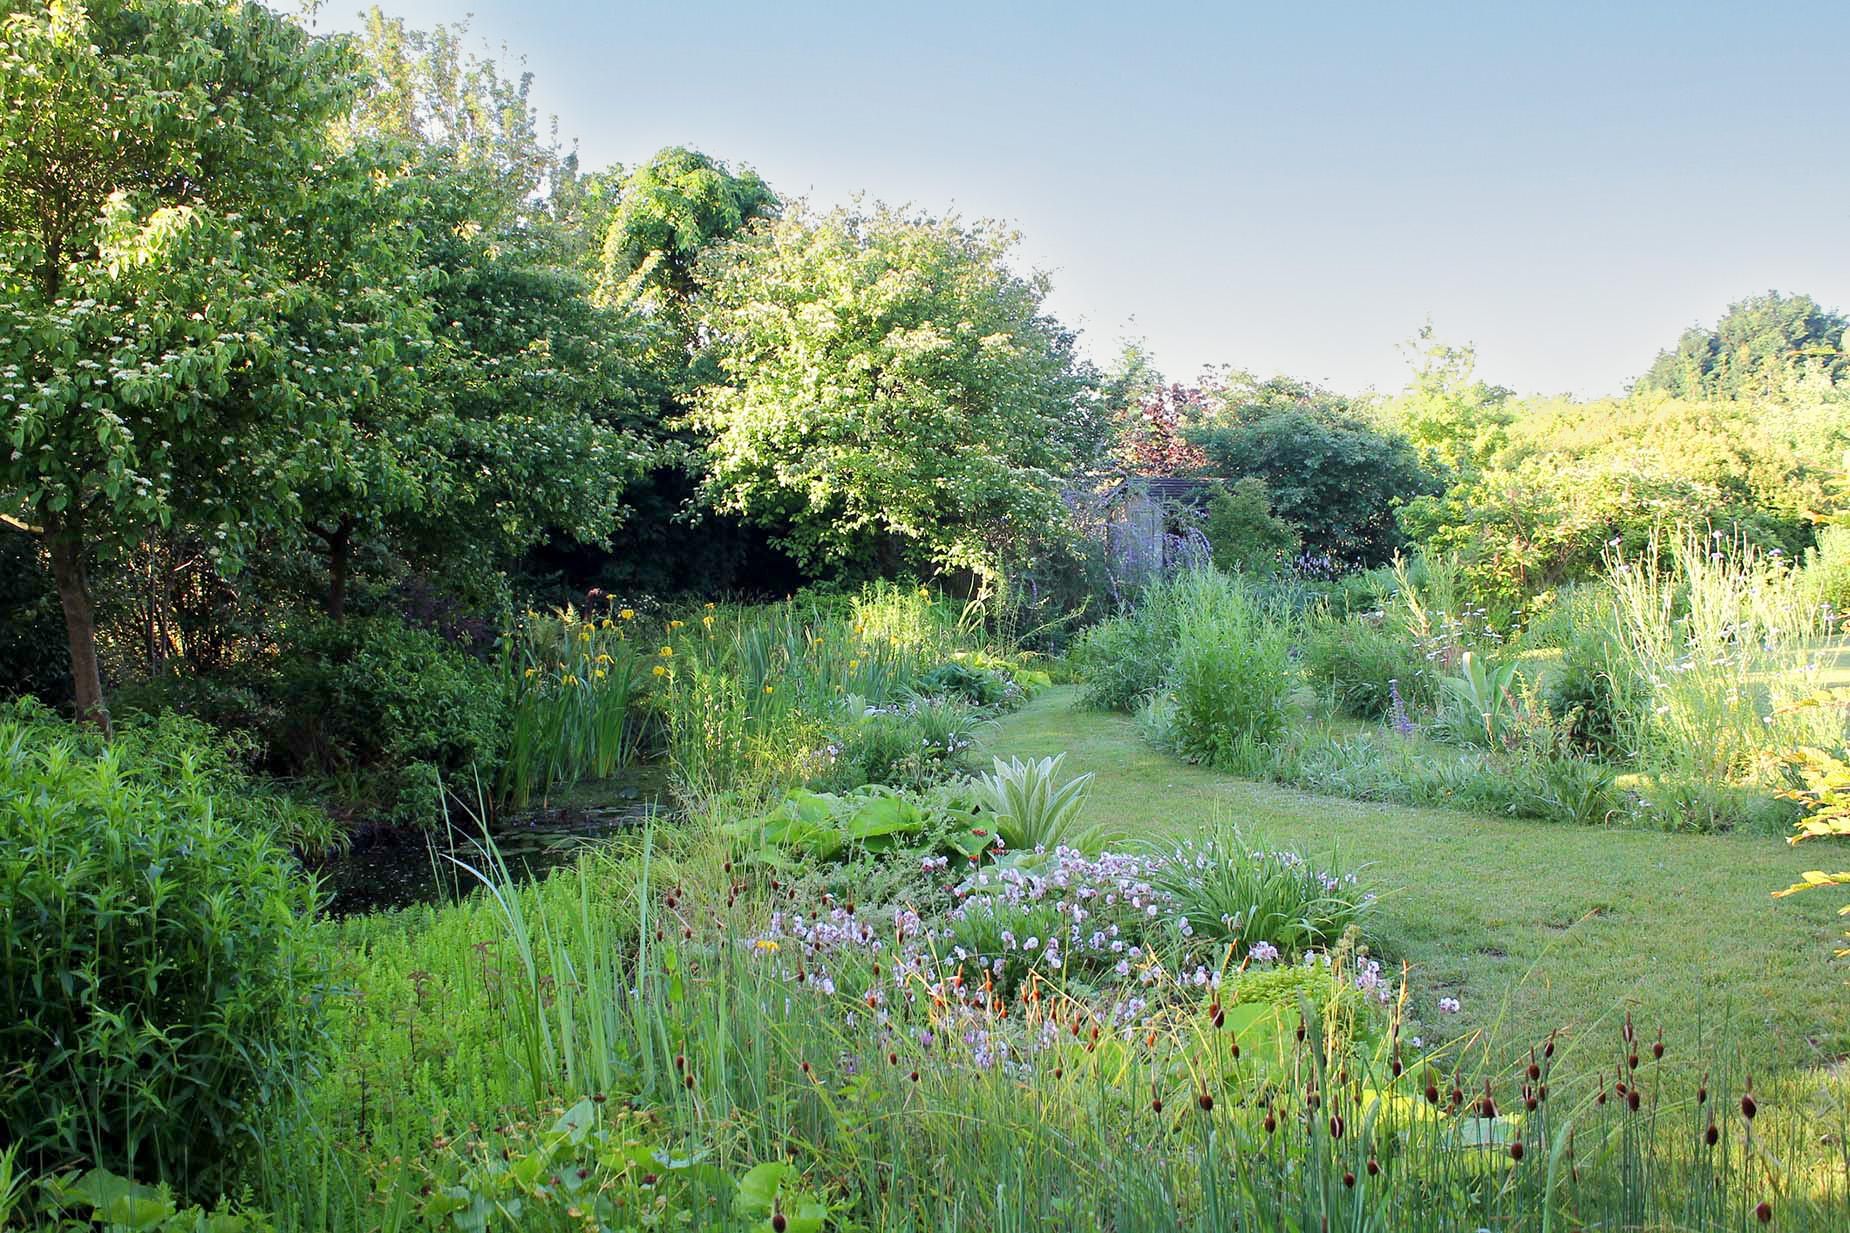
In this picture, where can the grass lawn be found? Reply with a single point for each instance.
(1532, 925)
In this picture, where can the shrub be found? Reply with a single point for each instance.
(156, 993)
(1121, 659)
(976, 686)
(1244, 535)
(1230, 677)
(908, 745)
(1126, 658)
(408, 710)
(1361, 663)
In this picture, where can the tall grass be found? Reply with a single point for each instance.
(1229, 675)
(747, 696)
(734, 697)
(1712, 644)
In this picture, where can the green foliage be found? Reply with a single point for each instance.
(824, 827)
(669, 211)
(1764, 344)
(1457, 420)
(1125, 658)
(1237, 895)
(1574, 480)
(1481, 703)
(158, 997)
(890, 390)
(1363, 661)
(401, 706)
(73, 1202)
(531, 415)
(1032, 809)
(1230, 678)
(1327, 472)
(976, 686)
(192, 282)
(1243, 533)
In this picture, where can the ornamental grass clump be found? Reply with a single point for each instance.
(1229, 891)
(1712, 647)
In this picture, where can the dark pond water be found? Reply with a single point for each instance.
(389, 868)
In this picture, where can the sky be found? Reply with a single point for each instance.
(1286, 187)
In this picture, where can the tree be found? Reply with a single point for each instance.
(671, 210)
(1762, 345)
(173, 318)
(524, 420)
(1457, 420)
(1330, 474)
(889, 386)
(1149, 416)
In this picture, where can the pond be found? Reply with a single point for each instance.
(391, 868)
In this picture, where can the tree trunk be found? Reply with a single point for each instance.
(67, 570)
(340, 557)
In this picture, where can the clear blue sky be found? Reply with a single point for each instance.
(1289, 187)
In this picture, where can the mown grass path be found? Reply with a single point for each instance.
(1532, 925)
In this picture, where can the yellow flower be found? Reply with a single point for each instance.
(854, 663)
(765, 944)
(609, 624)
(711, 606)
(666, 652)
(676, 624)
(533, 671)
(604, 659)
(628, 614)
(660, 671)
(584, 635)
(597, 674)
(924, 593)
(768, 689)
(707, 621)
